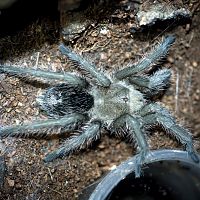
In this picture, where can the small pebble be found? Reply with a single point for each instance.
(104, 31)
(194, 64)
(11, 182)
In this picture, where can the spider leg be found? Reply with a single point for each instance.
(26, 72)
(136, 132)
(102, 79)
(152, 85)
(75, 143)
(157, 53)
(43, 127)
(156, 114)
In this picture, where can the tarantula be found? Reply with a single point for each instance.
(120, 102)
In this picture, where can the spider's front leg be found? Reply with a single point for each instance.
(152, 85)
(146, 62)
(75, 143)
(156, 114)
(136, 132)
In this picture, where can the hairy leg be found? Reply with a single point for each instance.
(75, 143)
(44, 127)
(27, 72)
(85, 65)
(136, 133)
(156, 114)
(152, 85)
(154, 56)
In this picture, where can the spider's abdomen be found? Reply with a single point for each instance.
(65, 99)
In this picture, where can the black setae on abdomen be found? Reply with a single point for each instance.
(65, 99)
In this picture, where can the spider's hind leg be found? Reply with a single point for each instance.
(156, 114)
(75, 143)
(89, 67)
(136, 132)
(44, 128)
(44, 76)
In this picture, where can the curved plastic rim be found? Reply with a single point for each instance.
(112, 179)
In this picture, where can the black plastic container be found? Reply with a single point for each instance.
(167, 175)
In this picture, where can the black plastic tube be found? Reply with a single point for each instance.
(167, 174)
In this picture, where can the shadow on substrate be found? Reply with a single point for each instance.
(27, 25)
(23, 12)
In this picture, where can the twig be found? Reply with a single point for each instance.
(177, 92)
(189, 85)
(50, 174)
(37, 60)
(56, 191)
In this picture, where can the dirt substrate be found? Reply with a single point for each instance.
(110, 45)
